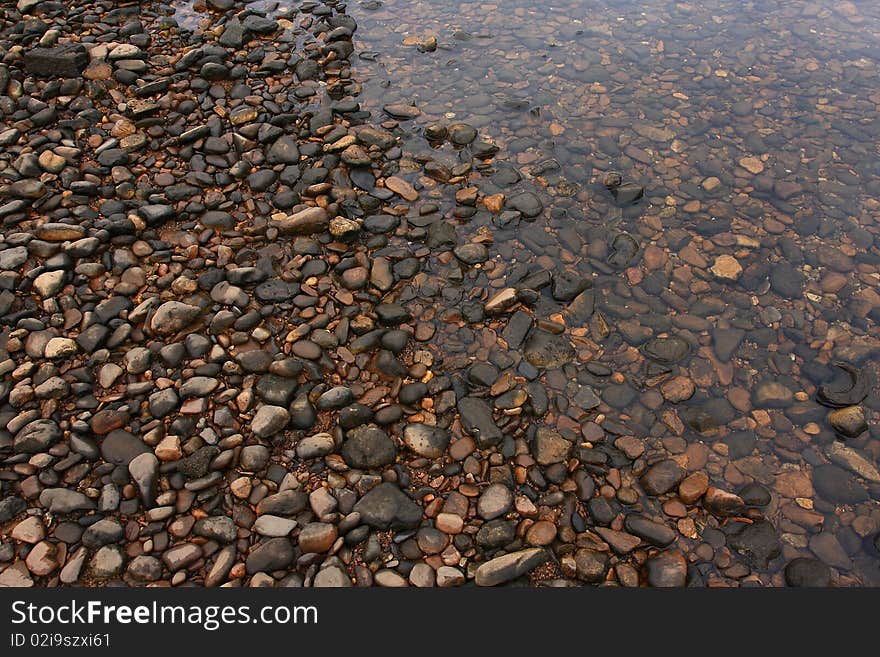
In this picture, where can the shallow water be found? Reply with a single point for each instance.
(753, 129)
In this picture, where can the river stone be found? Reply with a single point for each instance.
(424, 440)
(269, 420)
(63, 500)
(495, 501)
(547, 350)
(477, 421)
(388, 507)
(667, 570)
(172, 317)
(666, 350)
(549, 447)
(143, 469)
(849, 422)
(510, 566)
(269, 555)
(662, 477)
(757, 543)
(37, 436)
(121, 447)
(803, 572)
(368, 447)
(837, 486)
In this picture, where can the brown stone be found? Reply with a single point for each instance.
(541, 533)
(693, 487)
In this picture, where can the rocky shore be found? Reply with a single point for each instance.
(254, 332)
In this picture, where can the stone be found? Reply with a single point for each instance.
(172, 317)
(726, 268)
(269, 420)
(668, 569)
(388, 507)
(803, 572)
(757, 543)
(63, 61)
(317, 537)
(661, 477)
(549, 447)
(304, 222)
(271, 554)
(510, 566)
(849, 421)
(495, 501)
(424, 440)
(368, 447)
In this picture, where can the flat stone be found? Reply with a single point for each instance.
(510, 566)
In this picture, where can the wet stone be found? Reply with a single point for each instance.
(661, 477)
(804, 572)
(757, 543)
(368, 447)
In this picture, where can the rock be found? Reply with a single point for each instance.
(368, 447)
(693, 487)
(269, 555)
(402, 188)
(722, 503)
(317, 537)
(829, 550)
(10, 507)
(510, 566)
(849, 421)
(269, 420)
(548, 351)
(401, 111)
(726, 268)
(145, 568)
(269, 525)
(144, 469)
(121, 447)
(388, 507)
(63, 500)
(108, 562)
(667, 569)
(172, 317)
(16, 576)
(495, 501)
(305, 222)
(772, 394)
(837, 486)
(37, 436)
(332, 577)
(786, 281)
(30, 530)
(526, 203)
(666, 350)
(661, 477)
(590, 566)
(60, 348)
(653, 532)
(852, 391)
(430, 442)
(853, 461)
(477, 421)
(757, 543)
(803, 572)
(218, 528)
(549, 447)
(64, 61)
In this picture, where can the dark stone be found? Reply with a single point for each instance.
(388, 507)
